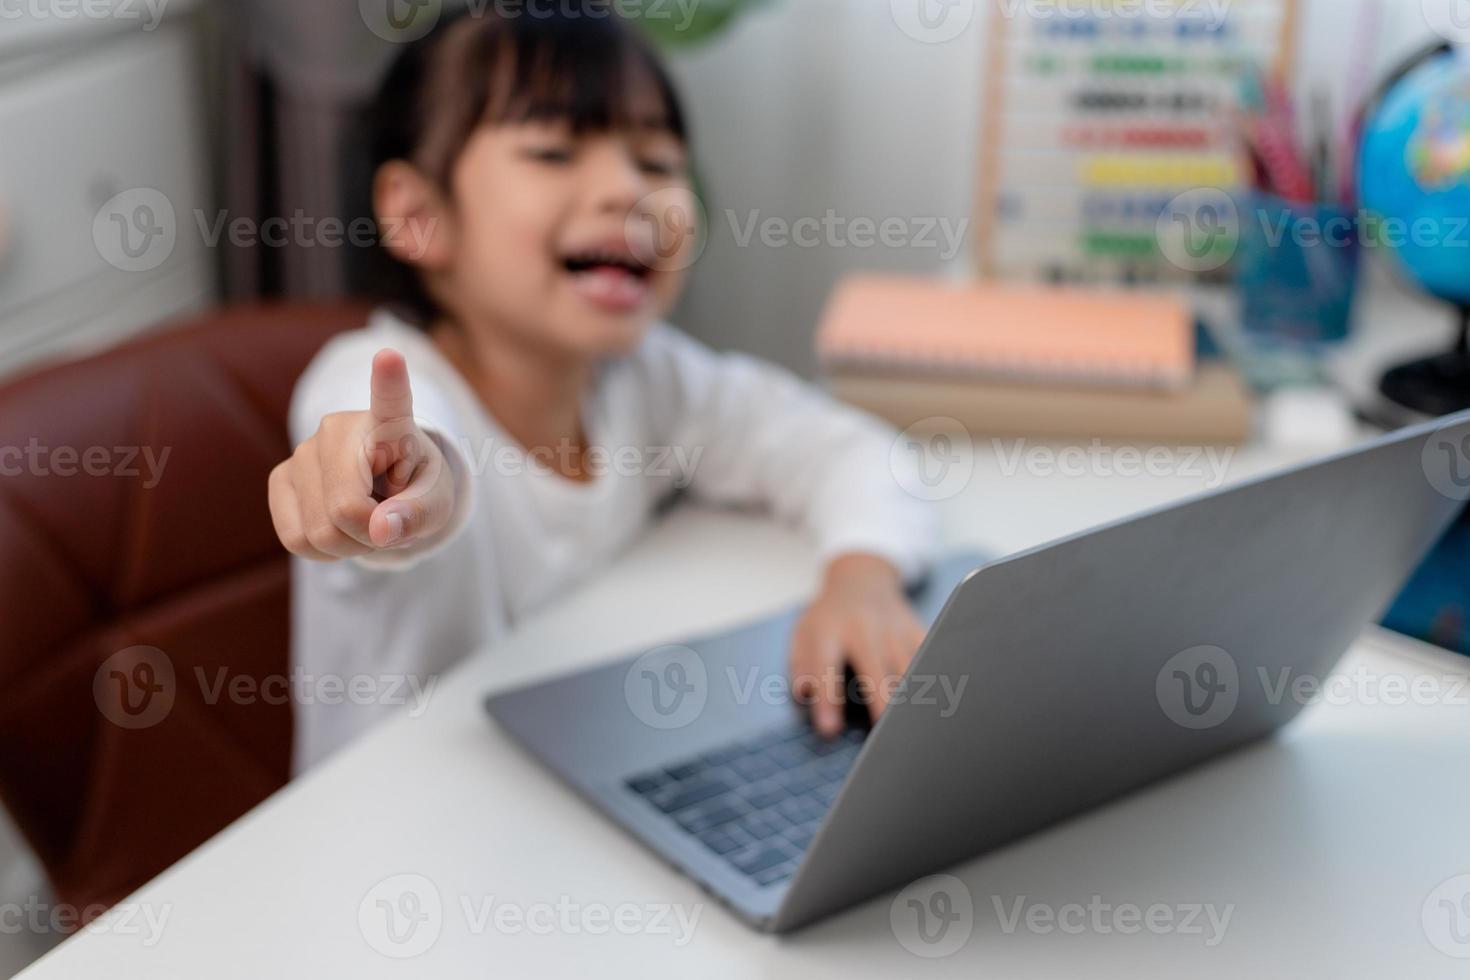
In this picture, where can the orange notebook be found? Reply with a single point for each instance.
(1008, 332)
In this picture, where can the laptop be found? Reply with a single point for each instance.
(1050, 682)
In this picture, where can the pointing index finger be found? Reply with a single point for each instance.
(392, 398)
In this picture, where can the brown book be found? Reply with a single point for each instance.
(1215, 409)
(1008, 333)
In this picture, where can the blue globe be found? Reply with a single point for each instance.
(1415, 175)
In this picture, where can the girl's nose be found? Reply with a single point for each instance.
(617, 182)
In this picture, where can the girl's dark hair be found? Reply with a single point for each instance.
(574, 62)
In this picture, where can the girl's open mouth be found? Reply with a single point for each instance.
(610, 281)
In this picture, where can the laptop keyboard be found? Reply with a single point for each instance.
(756, 803)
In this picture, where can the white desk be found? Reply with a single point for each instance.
(1327, 842)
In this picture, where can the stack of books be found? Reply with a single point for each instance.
(1028, 361)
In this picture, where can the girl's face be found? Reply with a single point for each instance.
(576, 242)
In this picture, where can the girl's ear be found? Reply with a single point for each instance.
(414, 218)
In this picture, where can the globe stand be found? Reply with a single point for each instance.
(1438, 385)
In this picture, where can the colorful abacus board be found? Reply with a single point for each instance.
(1098, 113)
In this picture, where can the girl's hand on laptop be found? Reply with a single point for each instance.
(366, 481)
(860, 618)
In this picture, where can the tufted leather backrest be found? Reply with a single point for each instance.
(143, 594)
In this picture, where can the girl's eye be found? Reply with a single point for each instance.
(658, 168)
(550, 154)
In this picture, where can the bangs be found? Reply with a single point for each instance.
(584, 66)
(594, 75)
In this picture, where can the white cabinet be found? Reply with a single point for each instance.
(103, 188)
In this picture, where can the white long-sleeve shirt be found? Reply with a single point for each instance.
(369, 635)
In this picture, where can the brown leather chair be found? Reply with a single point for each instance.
(120, 565)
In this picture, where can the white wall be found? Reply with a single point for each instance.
(816, 104)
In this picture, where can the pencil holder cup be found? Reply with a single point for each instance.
(1297, 270)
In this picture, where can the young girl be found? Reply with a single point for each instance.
(524, 167)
